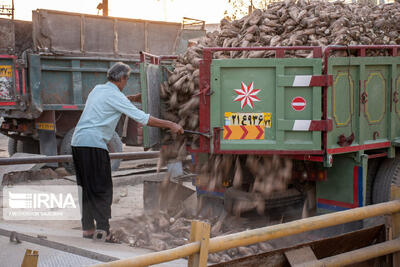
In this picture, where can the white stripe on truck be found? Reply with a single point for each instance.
(302, 80)
(301, 125)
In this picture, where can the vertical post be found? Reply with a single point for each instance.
(395, 195)
(30, 258)
(76, 83)
(200, 232)
(12, 10)
(105, 8)
(146, 37)
(82, 33)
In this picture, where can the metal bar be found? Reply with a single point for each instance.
(347, 149)
(360, 48)
(58, 246)
(356, 256)
(90, 58)
(308, 158)
(204, 104)
(77, 69)
(395, 225)
(156, 257)
(68, 158)
(155, 59)
(280, 50)
(295, 227)
(119, 19)
(63, 107)
(249, 237)
(378, 155)
(199, 133)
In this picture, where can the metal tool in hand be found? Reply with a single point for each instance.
(199, 133)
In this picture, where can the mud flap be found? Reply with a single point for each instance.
(47, 135)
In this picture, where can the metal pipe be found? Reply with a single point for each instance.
(156, 257)
(68, 158)
(249, 237)
(356, 256)
(264, 234)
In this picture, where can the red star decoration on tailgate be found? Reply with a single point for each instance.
(246, 95)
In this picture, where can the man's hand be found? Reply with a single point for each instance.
(135, 98)
(176, 128)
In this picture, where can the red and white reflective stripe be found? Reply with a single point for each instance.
(312, 80)
(8, 103)
(302, 80)
(70, 107)
(301, 125)
(311, 125)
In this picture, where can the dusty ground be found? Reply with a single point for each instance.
(149, 231)
(127, 202)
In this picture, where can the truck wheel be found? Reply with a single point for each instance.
(373, 166)
(15, 146)
(12, 146)
(388, 173)
(28, 146)
(115, 145)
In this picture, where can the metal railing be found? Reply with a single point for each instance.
(68, 158)
(200, 243)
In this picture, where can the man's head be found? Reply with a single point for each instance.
(119, 74)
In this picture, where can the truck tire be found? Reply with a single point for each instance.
(12, 146)
(373, 166)
(28, 146)
(115, 145)
(388, 173)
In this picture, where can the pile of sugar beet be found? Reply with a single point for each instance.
(289, 23)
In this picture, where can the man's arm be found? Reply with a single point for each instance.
(123, 105)
(175, 128)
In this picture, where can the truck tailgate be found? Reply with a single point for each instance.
(9, 81)
(266, 105)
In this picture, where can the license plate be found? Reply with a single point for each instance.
(6, 71)
(248, 119)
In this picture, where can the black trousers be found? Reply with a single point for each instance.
(93, 174)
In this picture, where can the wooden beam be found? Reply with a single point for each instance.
(394, 195)
(200, 232)
(30, 258)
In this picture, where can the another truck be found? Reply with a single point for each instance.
(49, 66)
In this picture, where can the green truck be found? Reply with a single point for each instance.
(337, 117)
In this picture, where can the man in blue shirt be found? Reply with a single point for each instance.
(96, 126)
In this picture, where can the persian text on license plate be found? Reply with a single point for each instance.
(247, 119)
(5, 71)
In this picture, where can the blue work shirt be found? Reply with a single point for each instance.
(103, 109)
